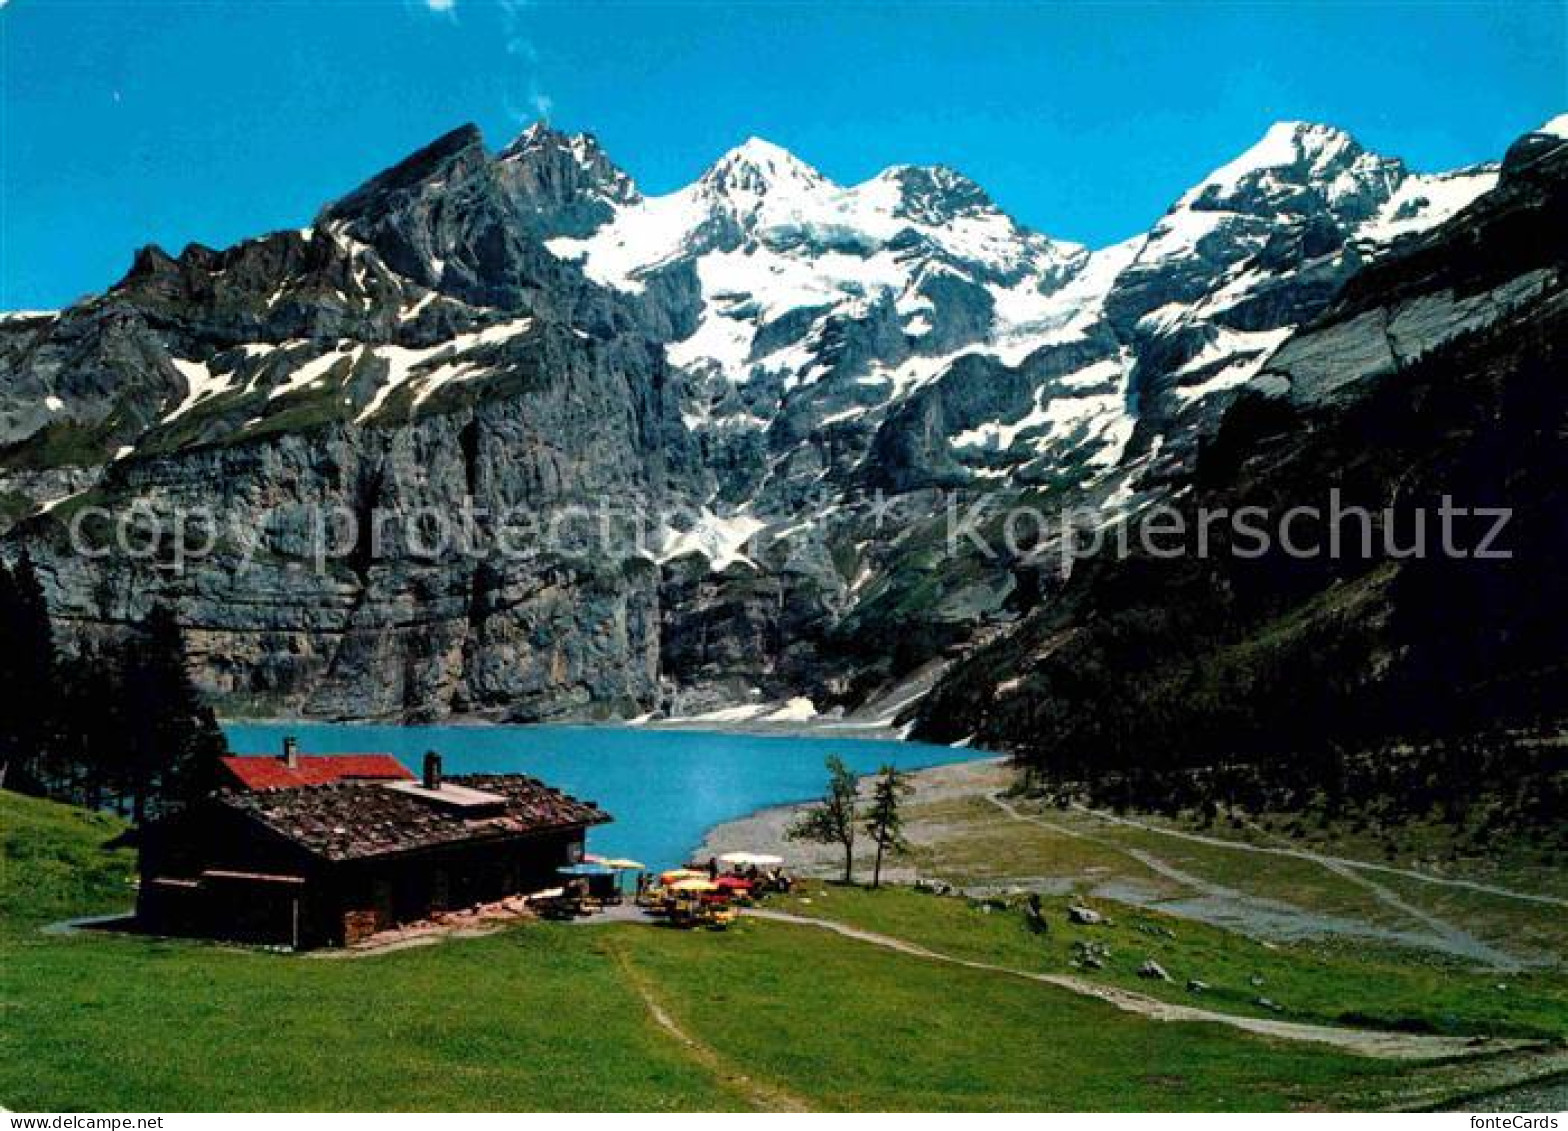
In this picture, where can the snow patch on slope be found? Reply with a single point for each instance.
(201, 383)
(309, 373)
(1424, 201)
(415, 365)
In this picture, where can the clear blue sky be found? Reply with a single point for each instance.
(134, 121)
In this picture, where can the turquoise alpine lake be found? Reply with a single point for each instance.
(665, 788)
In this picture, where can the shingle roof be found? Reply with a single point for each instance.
(269, 772)
(356, 821)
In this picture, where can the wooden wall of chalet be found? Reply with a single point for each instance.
(176, 899)
(374, 895)
(338, 903)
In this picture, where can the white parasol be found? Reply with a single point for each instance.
(756, 859)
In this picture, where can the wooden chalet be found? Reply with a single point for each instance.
(329, 864)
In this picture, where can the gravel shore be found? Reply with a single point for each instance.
(764, 831)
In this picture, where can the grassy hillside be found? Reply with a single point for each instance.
(58, 861)
(577, 1017)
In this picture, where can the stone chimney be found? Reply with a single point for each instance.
(291, 752)
(432, 770)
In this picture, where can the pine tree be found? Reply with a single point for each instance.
(28, 687)
(118, 724)
(885, 820)
(91, 738)
(172, 740)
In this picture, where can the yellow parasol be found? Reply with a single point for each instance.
(695, 886)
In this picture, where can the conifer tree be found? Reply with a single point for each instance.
(885, 819)
(28, 687)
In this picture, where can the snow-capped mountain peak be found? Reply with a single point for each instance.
(789, 346)
(536, 134)
(818, 302)
(871, 235)
(583, 148)
(858, 308)
(567, 180)
(757, 168)
(932, 194)
(1309, 145)
(1298, 167)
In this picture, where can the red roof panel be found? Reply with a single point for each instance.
(269, 772)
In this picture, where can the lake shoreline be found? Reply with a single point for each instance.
(825, 726)
(764, 830)
(875, 720)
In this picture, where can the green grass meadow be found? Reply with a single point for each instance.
(551, 1017)
(1367, 986)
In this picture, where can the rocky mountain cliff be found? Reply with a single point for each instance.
(773, 379)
